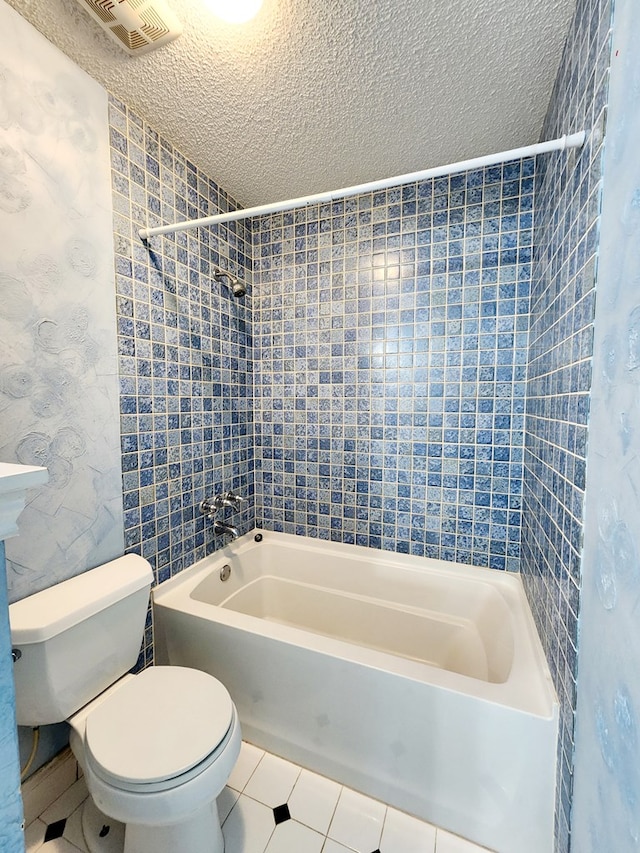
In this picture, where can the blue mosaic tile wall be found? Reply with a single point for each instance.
(185, 352)
(390, 336)
(568, 196)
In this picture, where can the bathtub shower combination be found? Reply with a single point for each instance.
(418, 682)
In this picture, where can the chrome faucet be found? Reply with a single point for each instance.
(209, 506)
(231, 499)
(221, 527)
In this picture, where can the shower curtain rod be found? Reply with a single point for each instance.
(574, 140)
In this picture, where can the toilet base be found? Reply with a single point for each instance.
(200, 834)
(102, 834)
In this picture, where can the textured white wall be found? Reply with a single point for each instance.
(58, 369)
(606, 811)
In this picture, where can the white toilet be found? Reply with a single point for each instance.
(156, 748)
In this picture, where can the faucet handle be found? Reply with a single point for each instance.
(208, 507)
(231, 499)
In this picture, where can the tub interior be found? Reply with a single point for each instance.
(447, 643)
(430, 619)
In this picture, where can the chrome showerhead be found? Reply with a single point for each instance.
(237, 287)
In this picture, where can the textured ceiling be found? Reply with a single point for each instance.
(313, 95)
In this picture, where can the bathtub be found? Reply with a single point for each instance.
(418, 682)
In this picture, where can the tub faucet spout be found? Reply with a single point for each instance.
(221, 527)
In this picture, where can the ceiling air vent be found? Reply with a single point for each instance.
(137, 25)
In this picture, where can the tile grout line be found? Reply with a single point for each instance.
(333, 814)
(328, 839)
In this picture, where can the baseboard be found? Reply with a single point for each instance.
(48, 783)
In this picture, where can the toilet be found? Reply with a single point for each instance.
(156, 748)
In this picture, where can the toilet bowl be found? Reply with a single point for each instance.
(157, 749)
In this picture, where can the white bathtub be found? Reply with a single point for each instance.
(419, 682)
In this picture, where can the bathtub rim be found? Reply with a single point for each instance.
(529, 689)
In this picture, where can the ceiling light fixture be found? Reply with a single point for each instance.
(235, 11)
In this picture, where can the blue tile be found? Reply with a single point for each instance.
(171, 457)
(404, 341)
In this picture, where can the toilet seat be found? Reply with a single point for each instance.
(159, 729)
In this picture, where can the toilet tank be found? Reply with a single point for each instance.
(78, 637)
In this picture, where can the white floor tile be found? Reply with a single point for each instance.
(94, 823)
(34, 835)
(357, 822)
(73, 828)
(60, 845)
(247, 762)
(67, 803)
(405, 834)
(272, 781)
(331, 846)
(248, 827)
(325, 817)
(448, 843)
(226, 801)
(313, 800)
(47, 784)
(293, 837)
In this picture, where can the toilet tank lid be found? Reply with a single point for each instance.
(52, 611)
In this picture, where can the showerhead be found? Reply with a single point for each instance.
(237, 287)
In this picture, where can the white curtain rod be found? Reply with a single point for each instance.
(574, 140)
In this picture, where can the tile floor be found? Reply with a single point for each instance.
(273, 806)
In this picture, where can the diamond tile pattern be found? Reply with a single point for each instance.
(55, 830)
(250, 826)
(281, 813)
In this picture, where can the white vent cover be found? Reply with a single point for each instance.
(137, 25)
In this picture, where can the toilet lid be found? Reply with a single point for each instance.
(159, 724)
